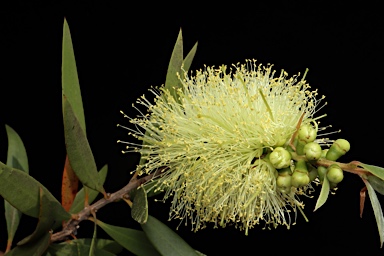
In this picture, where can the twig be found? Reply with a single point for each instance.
(72, 225)
(351, 167)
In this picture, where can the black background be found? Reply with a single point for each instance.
(123, 49)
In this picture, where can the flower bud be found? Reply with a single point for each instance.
(299, 179)
(312, 151)
(301, 166)
(321, 172)
(280, 158)
(307, 133)
(283, 182)
(339, 148)
(285, 171)
(312, 172)
(300, 147)
(324, 152)
(335, 174)
(300, 176)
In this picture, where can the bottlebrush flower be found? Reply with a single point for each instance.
(211, 142)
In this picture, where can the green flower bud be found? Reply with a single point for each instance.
(321, 172)
(300, 175)
(280, 158)
(312, 172)
(312, 151)
(335, 174)
(284, 183)
(299, 179)
(285, 171)
(307, 133)
(300, 147)
(339, 148)
(301, 166)
(324, 152)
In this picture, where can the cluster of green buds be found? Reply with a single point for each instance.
(302, 169)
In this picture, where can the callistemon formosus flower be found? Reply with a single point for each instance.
(210, 143)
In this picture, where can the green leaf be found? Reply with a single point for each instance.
(133, 240)
(139, 211)
(93, 241)
(377, 211)
(172, 82)
(16, 158)
(74, 248)
(323, 194)
(165, 240)
(103, 244)
(32, 249)
(376, 183)
(17, 155)
(78, 203)
(79, 152)
(22, 192)
(375, 170)
(45, 223)
(189, 58)
(69, 78)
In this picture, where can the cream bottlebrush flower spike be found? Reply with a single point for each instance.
(213, 145)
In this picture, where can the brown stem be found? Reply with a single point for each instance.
(72, 225)
(351, 167)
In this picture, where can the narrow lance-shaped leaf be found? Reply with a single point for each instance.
(189, 58)
(376, 210)
(79, 152)
(36, 248)
(45, 222)
(93, 241)
(375, 170)
(323, 194)
(71, 90)
(69, 78)
(81, 246)
(76, 248)
(22, 192)
(165, 240)
(139, 211)
(78, 203)
(376, 183)
(16, 158)
(172, 82)
(133, 240)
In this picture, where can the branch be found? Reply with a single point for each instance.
(72, 225)
(351, 167)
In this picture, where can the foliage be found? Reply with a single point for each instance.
(25, 195)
